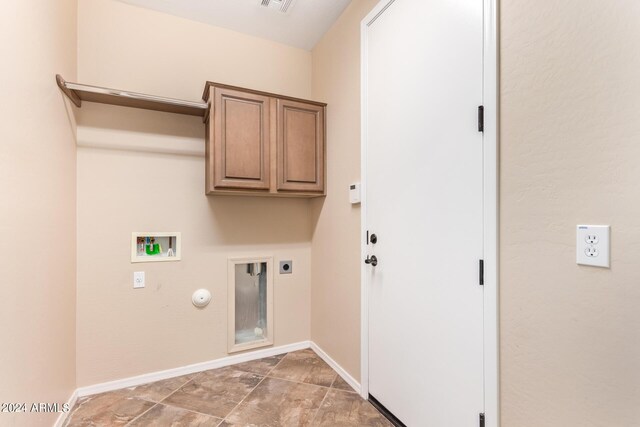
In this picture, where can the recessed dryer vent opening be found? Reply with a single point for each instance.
(250, 303)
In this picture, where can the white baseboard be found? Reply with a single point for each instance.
(339, 369)
(190, 369)
(62, 418)
(205, 366)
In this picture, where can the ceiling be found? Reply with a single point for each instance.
(301, 26)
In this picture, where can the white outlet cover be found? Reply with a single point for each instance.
(593, 245)
(138, 279)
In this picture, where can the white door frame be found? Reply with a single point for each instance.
(490, 208)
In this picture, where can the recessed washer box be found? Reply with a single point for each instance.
(155, 246)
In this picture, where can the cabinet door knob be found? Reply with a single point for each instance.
(371, 260)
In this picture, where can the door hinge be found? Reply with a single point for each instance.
(481, 272)
(481, 118)
(481, 419)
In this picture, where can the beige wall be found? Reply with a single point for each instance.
(144, 171)
(570, 97)
(335, 291)
(37, 220)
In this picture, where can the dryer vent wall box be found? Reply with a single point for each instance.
(354, 193)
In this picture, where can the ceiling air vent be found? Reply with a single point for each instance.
(282, 5)
(285, 5)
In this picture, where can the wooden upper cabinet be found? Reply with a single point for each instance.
(264, 144)
(300, 146)
(238, 143)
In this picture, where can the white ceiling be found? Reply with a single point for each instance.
(302, 26)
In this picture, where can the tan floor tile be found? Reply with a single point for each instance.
(215, 392)
(304, 366)
(107, 409)
(343, 409)
(158, 390)
(278, 403)
(294, 398)
(341, 384)
(261, 366)
(163, 416)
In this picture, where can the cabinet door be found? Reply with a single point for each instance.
(300, 146)
(239, 158)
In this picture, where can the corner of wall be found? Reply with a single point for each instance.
(335, 278)
(39, 230)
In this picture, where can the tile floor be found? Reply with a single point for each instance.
(296, 389)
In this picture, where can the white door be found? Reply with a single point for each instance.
(423, 172)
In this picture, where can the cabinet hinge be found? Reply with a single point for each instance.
(481, 418)
(481, 272)
(481, 118)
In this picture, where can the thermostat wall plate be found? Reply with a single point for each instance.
(354, 193)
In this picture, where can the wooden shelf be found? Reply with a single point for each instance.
(79, 92)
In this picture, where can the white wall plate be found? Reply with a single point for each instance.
(592, 245)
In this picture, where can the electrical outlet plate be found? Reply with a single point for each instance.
(592, 245)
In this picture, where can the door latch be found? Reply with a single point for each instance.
(371, 260)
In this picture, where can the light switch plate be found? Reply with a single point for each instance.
(592, 245)
(138, 279)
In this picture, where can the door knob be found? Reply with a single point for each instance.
(371, 260)
(373, 239)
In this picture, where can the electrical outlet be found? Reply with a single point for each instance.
(138, 279)
(591, 238)
(592, 245)
(591, 252)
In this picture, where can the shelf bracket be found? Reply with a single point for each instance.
(70, 94)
